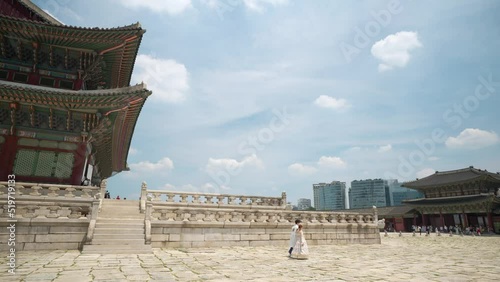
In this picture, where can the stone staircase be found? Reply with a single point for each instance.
(119, 229)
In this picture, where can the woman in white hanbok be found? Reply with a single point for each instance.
(300, 250)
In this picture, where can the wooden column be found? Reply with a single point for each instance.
(79, 165)
(466, 220)
(490, 220)
(7, 156)
(442, 218)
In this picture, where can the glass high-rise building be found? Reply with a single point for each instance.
(329, 196)
(303, 204)
(368, 193)
(399, 194)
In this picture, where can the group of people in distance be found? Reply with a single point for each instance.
(298, 245)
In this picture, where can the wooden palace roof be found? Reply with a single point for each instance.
(117, 111)
(27, 10)
(451, 177)
(115, 49)
(467, 199)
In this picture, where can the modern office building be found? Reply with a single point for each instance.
(399, 194)
(303, 204)
(329, 196)
(368, 193)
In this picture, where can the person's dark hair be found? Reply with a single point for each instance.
(300, 226)
(297, 221)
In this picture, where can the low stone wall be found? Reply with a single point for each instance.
(177, 219)
(46, 217)
(192, 234)
(45, 234)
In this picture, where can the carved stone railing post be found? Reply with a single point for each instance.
(31, 212)
(147, 222)
(104, 185)
(283, 199)
(375, 214)
(76, 212)
(144, 197)
(34, 190)
(53, 191)
(93, 218)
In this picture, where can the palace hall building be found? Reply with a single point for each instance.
(464, 197)
(67, 110)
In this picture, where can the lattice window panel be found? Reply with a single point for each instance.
(4, 116)
(9, 50)
(23, 118)
(27, 54)
(59, 122)
(64, 166)
(43, 58)
(45, 163)
(72, 63)
(42, 120)
(25, 159)
(58, 60)
(77, 125)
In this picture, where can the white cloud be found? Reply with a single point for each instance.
(385, 148)
(334, 162)
(325, 101)
(258, 5)
(433, 158)
(472, 138)
(171, 7)
(133, 151)
(166, 78)
(301, 169)
(205, 188)
(214, 165)
(425, 172)
(162, 165)
(393, 51)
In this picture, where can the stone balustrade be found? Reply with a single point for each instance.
(164, 212)
(50, 216)
(182, 219)
(51, 190)
(215, 200)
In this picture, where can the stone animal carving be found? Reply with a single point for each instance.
(381, 223)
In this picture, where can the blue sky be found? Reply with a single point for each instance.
(257, 97)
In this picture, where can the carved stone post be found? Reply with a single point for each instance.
(375, 214)
(93, 218)
(144, 197)
(147, 222)
(104, 185)
(283, 199)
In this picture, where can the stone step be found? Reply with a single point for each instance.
(115, 220)
(119, 225)
(122, 236)
(114, 249)
(120, 217)
(115, 242)
(105, 230)
(121, 203)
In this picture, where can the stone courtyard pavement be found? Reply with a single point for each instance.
(405, 258)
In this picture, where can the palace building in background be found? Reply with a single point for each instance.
(67, 111)
(464, 197)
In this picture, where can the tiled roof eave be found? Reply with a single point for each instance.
(449, 200)
(113, 156)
